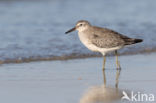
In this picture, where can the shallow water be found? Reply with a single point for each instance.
(76, 81)
(35, 29)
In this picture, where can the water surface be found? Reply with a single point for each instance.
(34, 30)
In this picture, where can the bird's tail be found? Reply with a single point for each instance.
(133, 41)
(137, 40)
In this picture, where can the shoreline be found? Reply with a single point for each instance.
(70, 57)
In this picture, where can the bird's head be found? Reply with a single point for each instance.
(80, 26)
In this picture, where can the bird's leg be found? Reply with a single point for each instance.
(104, 61)
(117, 61)
(103, 68)
(117, 71)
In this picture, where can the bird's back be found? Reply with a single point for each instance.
(106, 38)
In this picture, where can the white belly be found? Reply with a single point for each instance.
(85, 40)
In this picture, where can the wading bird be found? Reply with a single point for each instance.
(102, 40)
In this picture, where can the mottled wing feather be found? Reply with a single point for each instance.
(106, 38)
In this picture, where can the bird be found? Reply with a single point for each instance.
(103, 40)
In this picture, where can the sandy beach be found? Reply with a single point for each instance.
(68, 81)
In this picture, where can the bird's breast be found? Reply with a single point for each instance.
(84, 38)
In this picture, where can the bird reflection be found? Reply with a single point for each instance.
(104, 78)
(103, 93)
(117, 77)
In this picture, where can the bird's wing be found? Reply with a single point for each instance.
(106, 38)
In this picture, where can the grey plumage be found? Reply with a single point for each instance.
(106, 38)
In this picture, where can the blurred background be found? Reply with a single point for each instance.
(34, 30)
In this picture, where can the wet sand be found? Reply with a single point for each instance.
(70, 81)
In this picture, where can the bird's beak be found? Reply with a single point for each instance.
(70, 30)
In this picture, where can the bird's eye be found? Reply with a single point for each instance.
(80, 24)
